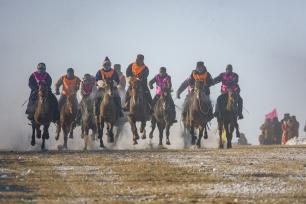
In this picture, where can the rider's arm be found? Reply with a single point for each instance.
(32, 83)
(183, 86)
(49, 81)
(218, 79)
(129, 72)
(58, 83)
(145, 73)
(152, 81)
(210, 80)
(98, 76)
(78, 82)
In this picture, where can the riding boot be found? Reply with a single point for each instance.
(240, 107)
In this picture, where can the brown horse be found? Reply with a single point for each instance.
(67, 118)
(197, 113)
(107, 112)
(88, 119)
(42, 115)
(138, 109)
(164, 115)
(228, 119)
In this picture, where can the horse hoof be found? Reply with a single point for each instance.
(57, 137)
(198, 144)
(151, 136)
(137, 137)
(82, 136)
(102, 145)
(71, 136)
(135, 142)
(33, 142)
(221, 147)
(168, 143)
(144, 137)
(205, 137)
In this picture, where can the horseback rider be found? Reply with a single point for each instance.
(87, 85)
(199, 74)
(122, 79)
(138, 70)
(70, 85)
(37, 77)
(162, 80)
(87, 88)
(229, 80)
(110, 76)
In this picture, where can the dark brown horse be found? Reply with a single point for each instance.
(197, 113)
(164, 115)
(42, 115)
(138, 110)
(67, 118)
(88, 119)
(228, 119)
(108, 113)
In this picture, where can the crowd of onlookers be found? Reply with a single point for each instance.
(274, 131)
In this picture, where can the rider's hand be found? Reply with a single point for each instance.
(57, 92)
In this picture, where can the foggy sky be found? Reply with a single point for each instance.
(265, 41)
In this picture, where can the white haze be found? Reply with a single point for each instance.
(264, 40)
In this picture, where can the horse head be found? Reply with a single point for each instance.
(43, 90)
(136, 87)
(199, 89)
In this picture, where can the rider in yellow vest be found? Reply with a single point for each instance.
(110, 75)
(138, 70)
(70, 85)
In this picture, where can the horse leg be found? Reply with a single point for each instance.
(100, 130)
(111, 133)
(205, 132)
(58, 131)
(230, 136)
(45, 136)
(201, 130)
(237, 129)
(192, 135)
(161, 132)
(134, 130)
(86, 137)
(143, 130)
(153, 126)
(220, 135)
(168, 133)
(38, 131)
(33, 134)
(72, 126)
(65, 131)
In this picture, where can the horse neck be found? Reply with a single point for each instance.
(230, 102)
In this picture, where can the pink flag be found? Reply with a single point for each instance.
(272, 114)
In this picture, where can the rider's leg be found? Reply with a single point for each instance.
(31, 105)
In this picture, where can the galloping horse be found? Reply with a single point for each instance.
(42, 115)
(67, 117)
(138, 110)
(88, 120)
(197, 113)
(228, 118)
(164, 115)
(107, 111)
